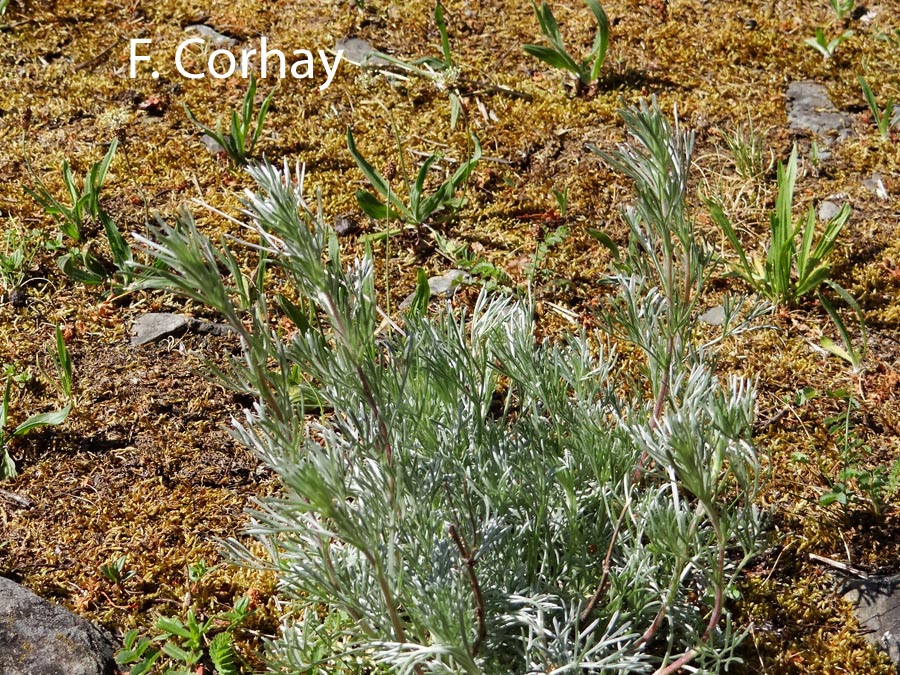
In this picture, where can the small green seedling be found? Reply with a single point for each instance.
(19, 247)
(440, 70)
(421, 209)
(827, 47)
(846, 350)
(885, 119)
(240, 142)
(79, 262)
(791, 268)
(841, 8)
(186, 645)
(85, 200)
(855, 482)
(7, 466)
(115, 571)
(586, 71)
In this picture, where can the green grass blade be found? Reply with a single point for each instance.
(601, 41)
(260, 119)
(63, 365)
(99, 171)
(829, 237)
(47, 419)
(809, 231)
(5, 408)
(553, 58)
(719, 218)
(376, 180)
(442, 29)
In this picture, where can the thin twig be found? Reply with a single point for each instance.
(469, 559)
(837, 564)
(604, 578)
(90, 63)
(19, 499)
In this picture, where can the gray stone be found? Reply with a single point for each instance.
(211, 35)
(443, 286)
(877, 601)
(211, 144)
(157, 326)
(810, 109)
(345, 224)
(828, 210)
(209, 328)
(41, 638)
(446, 284)
(359, 52)
(876, 185)
(714, 316)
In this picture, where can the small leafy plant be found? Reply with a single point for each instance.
(19, 248)
(791, 268)
(422, 208)
(885, 119)
(79, 262)
(841, 8)
(440, 70)
(827, 47)
(856, 483)
(85, 199)
(239, 143)
(7, 466)
(586, 71)
(185, 647)
(115, 571)
(747, 147)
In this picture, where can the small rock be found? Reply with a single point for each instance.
(211, 144)
(876, 185)
(215, 38)
(359, 52)
(877, 602)
(443, 286)
(209, 328)
(810, 109)
(446, 285)
(18, 298)
(41, 638)
(345, 224)
(828, 210)
(714, 316)
(157, 326)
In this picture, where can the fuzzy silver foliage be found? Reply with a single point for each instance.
(460, 497)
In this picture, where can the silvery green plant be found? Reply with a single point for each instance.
(462, 497)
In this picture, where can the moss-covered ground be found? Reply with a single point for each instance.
(145, 467)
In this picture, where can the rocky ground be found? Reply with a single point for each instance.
(144, 467)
